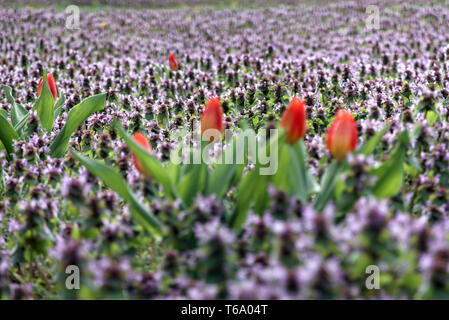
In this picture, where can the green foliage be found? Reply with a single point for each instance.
(47, 111)
(58, 105)
(292, 174)
(76, 116)
(153, 165)
(44, 106)
(18, 112)
(223, 173)
(328, 184)
(7, 134)
(114, 181)
(372, 143)
(391, 173)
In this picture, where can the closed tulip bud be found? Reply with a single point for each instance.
(212, 117)
(51, 84)
(172, 62)
(294, 121)
(141, 140)
(342, 135)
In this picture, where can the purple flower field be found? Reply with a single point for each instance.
(357, 208)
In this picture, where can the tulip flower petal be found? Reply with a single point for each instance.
(294, 121)
(212, 117)
(140, 139)
(342, 135)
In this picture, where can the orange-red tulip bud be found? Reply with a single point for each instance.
(342, 135)
(294, 121)
(51, 84)
(140, 139)
(212, 117)
(172, 62)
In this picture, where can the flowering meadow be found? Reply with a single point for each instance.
(356, 115)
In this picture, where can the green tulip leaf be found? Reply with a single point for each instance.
(149, 161)
(390, 174)
(115, 181)
(373, 142)
(192, 183)
(44, 106)
(76, 116)
(59, 104)
(17, 110)
(328, 185)
(7, 134)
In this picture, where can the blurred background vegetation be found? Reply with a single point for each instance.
(152, 3)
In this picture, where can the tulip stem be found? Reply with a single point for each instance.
(327, 185)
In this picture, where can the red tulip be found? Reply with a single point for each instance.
(212, 117)
(51, 84)
(342, 135)
(294, 121)
(140, 139)
(172, 62)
